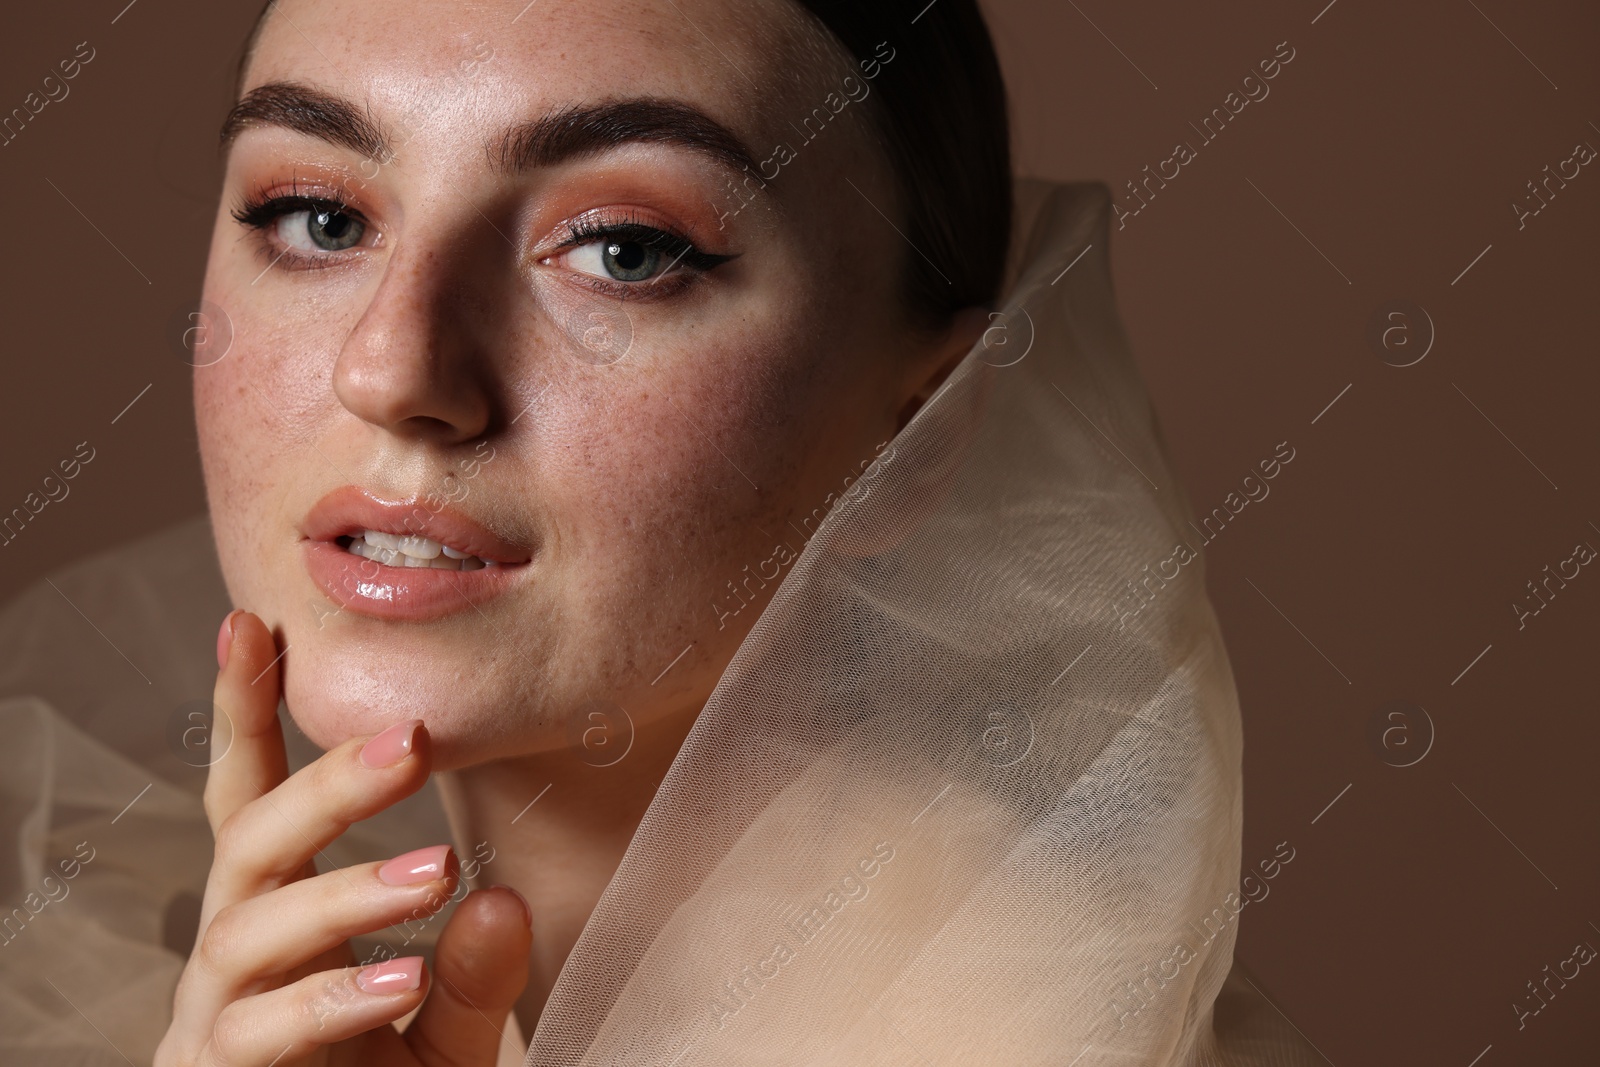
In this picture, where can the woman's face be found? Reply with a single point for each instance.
(504, 287)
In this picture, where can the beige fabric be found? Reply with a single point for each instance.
(949, 804)
(97, 666)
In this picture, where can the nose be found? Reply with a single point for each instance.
(412, 365)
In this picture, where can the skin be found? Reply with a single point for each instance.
(641, 487)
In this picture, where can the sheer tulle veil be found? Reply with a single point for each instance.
(968, 793)
(955, 800)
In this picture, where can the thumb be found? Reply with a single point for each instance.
(479, 970)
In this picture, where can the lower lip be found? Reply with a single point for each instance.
(368, 587)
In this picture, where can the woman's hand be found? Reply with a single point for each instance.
(272, 979)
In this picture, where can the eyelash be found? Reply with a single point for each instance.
(681, 252)
(262, 213)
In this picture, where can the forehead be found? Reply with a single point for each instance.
(474, 68)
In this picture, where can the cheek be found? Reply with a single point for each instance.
(686, 463)
(663, 491)
(242, 496)
(258, 412)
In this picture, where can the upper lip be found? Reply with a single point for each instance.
(348, 510)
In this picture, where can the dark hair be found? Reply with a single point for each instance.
(940, 114)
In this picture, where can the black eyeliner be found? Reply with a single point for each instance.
(260, 212)
(678, 249)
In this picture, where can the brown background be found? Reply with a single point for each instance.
(1416, 509)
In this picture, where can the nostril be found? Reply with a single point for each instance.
(428, 426)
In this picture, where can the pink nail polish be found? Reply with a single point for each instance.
(423, 865)
(391, 976)
(391, 746)
(225, 639)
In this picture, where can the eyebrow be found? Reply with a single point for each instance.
(571, 133)
(578, 131)
(306, 110)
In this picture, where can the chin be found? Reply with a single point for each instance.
(337, 690)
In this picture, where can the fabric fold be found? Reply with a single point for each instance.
(944, 680)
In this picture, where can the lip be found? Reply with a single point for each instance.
(368, 587)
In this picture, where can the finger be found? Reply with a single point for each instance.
(251, 943)
(287, 1023)
(268, 842)
(481, 967)
(247, 754)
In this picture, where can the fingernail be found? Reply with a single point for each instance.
(391, 976)
(225, 639)
(527, 912)
(423, 865)
(391, 746)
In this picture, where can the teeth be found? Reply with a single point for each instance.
(420, 547)
(382, 540)
(393, 550)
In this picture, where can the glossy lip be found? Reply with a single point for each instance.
(371, 588)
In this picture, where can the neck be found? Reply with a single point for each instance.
(558, 827)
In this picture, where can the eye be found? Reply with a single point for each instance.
(631, 256)
(301, 231)
(621, 260)
(324, 227)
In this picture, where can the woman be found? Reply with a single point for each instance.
(561, 336)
